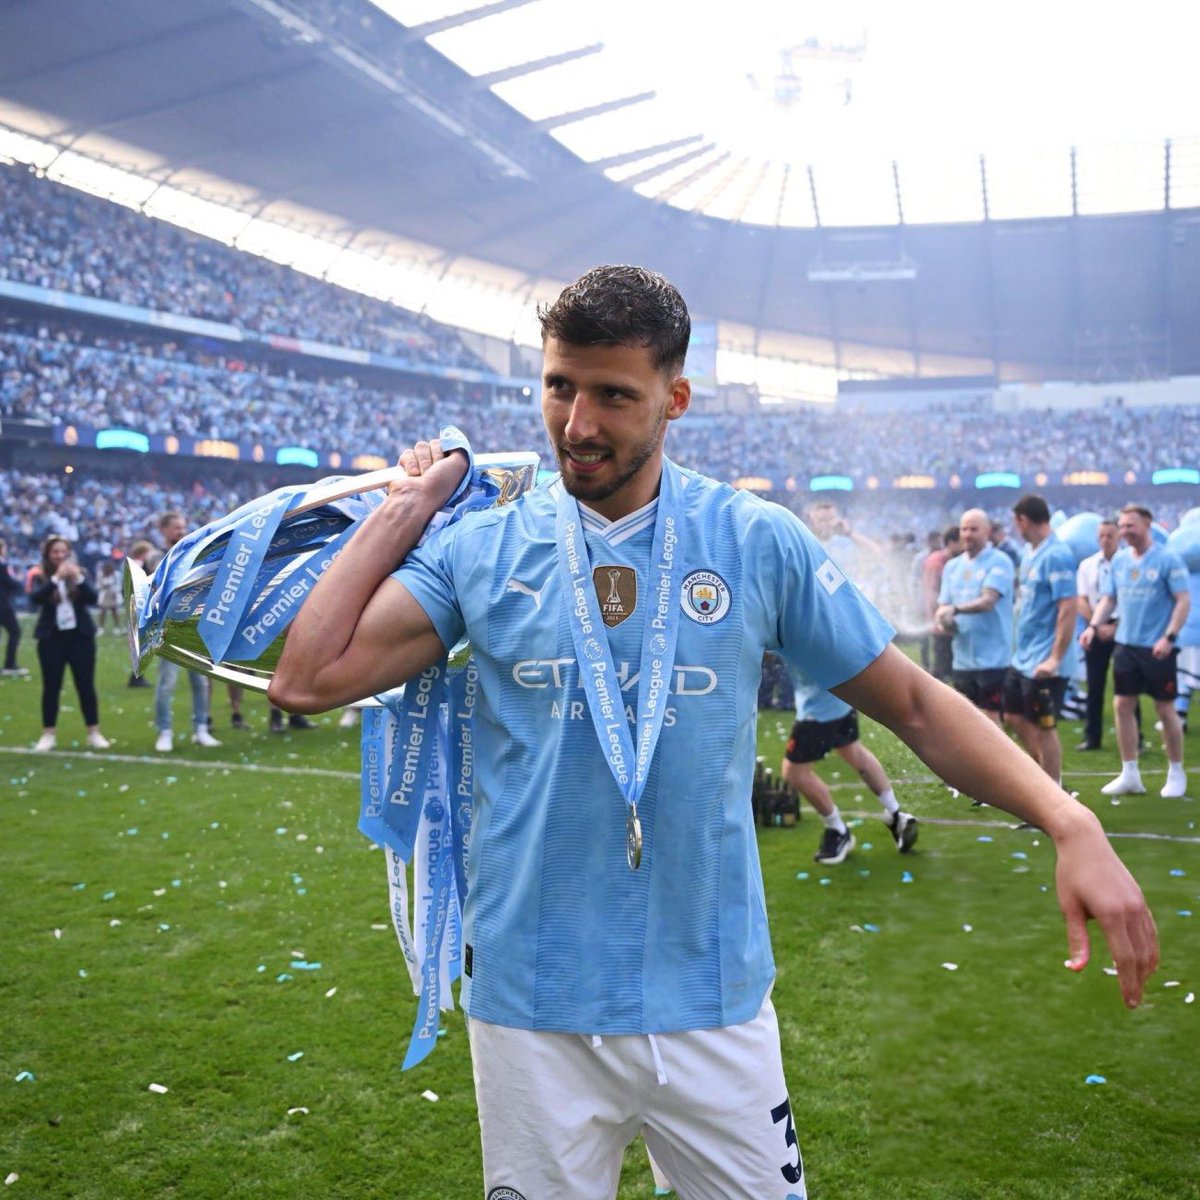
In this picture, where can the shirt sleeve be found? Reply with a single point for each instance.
(999, 576)
(1177, 575)
(1061, 576)
(825, 626)
(427, 573)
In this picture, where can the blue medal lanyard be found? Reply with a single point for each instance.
(628, 758)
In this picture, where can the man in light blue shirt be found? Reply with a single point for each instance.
(1149, 584)
(1045, 622)
(600, 1005)
(976, 603)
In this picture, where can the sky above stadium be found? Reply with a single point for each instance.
(770, 89)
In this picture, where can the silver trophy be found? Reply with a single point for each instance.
(171, 613)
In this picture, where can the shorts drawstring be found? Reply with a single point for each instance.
(658, 1062)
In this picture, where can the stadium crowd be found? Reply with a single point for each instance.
(53, 236)
(68, 376)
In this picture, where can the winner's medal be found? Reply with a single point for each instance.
(633, 839)
(628, 758)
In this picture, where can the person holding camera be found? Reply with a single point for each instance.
(66, 637)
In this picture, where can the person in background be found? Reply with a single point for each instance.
(942, 664)
(10, 589)
(172, 527)
(975, 605)
(66, 637)
(824, 723)
(1149, 583)
(139, 552)
(108, 596)
(1000, 539)
(1045, 628)
(1090, 581)
(1187, 664)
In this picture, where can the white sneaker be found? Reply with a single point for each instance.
(1175, 786)
(203, 738)
(165, 742)
(97, 741)
(1125, 785)
(46, 742)
(348, 719)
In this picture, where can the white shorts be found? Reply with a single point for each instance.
(557, 1110)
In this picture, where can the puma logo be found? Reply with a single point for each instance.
(515, 585)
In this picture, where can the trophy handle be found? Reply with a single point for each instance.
(351, 485)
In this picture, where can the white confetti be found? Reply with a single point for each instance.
(160, 891)
(955, 793)
(114, 922)
(11, 1178)
(299, 954)
(1110, 970)
(158, 1089)
(302, 837)
(967, 929)
(950, 966)
(57, 934)
(381, 927)
(291, 1112)
(430, 1096)
(1171, 983)
(1190, 998)
(332, 992)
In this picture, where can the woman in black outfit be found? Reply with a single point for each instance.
(66, 637)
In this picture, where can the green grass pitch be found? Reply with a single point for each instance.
(153, 907)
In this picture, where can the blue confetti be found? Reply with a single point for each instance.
(1184, 912)
(280, 830)
(132, 831)
(864, 873)
(26, 1077)
(177, 883)
(108, 895)
(983, 837)
(1095, 1079)
(78, 887)
(801, 874)
(302, 891)
(1178, 872)
(282, 977)
(293, 1057)
(867, 846)
(261, 968)
(826, 882)
(870, 928)
(301, 965)
(906, 877)
(1019, 854)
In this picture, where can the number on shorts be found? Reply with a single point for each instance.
(792, 1172)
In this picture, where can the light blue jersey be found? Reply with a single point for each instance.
(984, 640)
(1189, 635)
(1047, 575)
(561, 934)
(1145, 589)
(814, 703)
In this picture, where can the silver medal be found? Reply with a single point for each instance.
(633, 839)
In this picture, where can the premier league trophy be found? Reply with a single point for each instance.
(220, 602)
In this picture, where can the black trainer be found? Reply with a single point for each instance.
(834, 847)
(238, 721)
(904, 830)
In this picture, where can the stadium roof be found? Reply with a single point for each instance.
(436, 128)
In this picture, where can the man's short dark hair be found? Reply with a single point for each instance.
(1033, 508)
(1140, 509)
(950, 535)
(622, 306)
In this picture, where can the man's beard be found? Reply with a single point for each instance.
(598, 491)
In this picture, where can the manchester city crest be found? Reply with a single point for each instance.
(705, 597)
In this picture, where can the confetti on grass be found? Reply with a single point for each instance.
(295, 1057)
(950, 966)
(291, 1112)
(1095, 1079)
(158, 1089)
(430, 1096)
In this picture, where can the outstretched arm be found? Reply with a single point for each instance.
(360, 632)
(966, 750)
